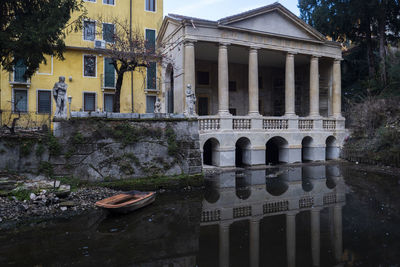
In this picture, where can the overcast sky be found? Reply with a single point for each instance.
(217, 9)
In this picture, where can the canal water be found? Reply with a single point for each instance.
(315, 215)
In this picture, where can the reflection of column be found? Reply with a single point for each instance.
(291, 238)
(253, 82)
(314, 87)
(337, 232)
(254, 242)
(337, 90)
(289, 86)
(315, 236)
(223, 80)
(190, 75)
(224, 244)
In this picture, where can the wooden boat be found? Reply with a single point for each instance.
(127, 202)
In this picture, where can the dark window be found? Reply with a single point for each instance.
(152, 76)
(260, 82)
(109, 2)
(89, 65)
(232, 111)
(89, 30)
(20, 100)
(109, 73)
(108, 102)
(44, 102)
(151, 40)
(150, 102)
(89, 101)
(19, 71)
(203, 106)
(108, 32)
(232, 86)
(203, 78)
(150, 5)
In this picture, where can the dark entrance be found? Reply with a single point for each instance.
(207, 153)
(203, 106)
(272, 152)
(171, 94)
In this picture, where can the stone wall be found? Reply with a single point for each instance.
(99, 149)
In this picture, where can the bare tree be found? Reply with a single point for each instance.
(128, 52)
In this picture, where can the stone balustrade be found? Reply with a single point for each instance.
(247, 123)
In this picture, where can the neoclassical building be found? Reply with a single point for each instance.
(268, 86)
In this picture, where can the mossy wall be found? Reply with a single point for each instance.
(103, 149)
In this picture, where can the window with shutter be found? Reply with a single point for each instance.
(89, 30)
(44, 102)
(109, 2)
(151, 5)
(20, 100)
(19, 71)
(108, 32)
(150, 101)
(152, 76)
(89, 101)
(109, 73)
(150, 40)
(89, 66)
(108, 102)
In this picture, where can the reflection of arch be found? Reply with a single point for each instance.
(330, 182)
(332, 149)
(276, 150)
(276, 186)
(306, 150)
(211, 193)
(169, 78)
(243, 152)
(307, 184)
(243, 189)
(210, 152)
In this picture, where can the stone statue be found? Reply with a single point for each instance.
(157, 106)
(60, 96)
(190, 101)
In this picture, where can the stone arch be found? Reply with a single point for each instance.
(306, 149)
(277, 150)
(211, 152)
(169, 89)
(332, 150)
(243, 152)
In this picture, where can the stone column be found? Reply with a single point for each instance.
(337, 90)
(253, 82)
(223, 81)
(190, 72)
(291, 238)
(314, 87)
(290, 86)
(337, 232)
(315, 236)
(254, 242)
(224, 244)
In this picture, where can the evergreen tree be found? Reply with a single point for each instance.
(31, 29)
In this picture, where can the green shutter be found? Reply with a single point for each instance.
(19, 71)
(151, 39)
(109, 73)
(108, 32)
(152, 76)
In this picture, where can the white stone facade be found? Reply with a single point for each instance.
(264, 80)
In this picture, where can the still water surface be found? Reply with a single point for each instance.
(324, 215)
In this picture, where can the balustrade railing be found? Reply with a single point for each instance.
(209, 124)
(275, 124)
(241, 124)
(306, 125)
(329, 124)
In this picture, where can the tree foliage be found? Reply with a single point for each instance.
(370, 26)
(31, 29)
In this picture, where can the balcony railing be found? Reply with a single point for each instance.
(245, 123)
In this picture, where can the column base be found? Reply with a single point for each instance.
(254, 114)
(291, 115)
(224, 113)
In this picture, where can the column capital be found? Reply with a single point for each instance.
(316, 209)
(224, 44)
(189, 42)
(337, 60)
(254, 48)
(292, 213)
(290, 53)
(314, 57)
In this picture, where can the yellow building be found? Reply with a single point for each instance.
(90, 81)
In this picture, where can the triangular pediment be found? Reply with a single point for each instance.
(274, 19)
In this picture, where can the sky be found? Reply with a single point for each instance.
(217, 9)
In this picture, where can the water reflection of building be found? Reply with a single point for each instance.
(259, 194)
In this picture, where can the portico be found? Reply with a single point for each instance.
(258, 75)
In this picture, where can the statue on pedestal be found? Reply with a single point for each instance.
(60, 96)
(157, 106)
(190, 101)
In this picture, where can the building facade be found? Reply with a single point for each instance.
(268, 86)
(90, 78)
